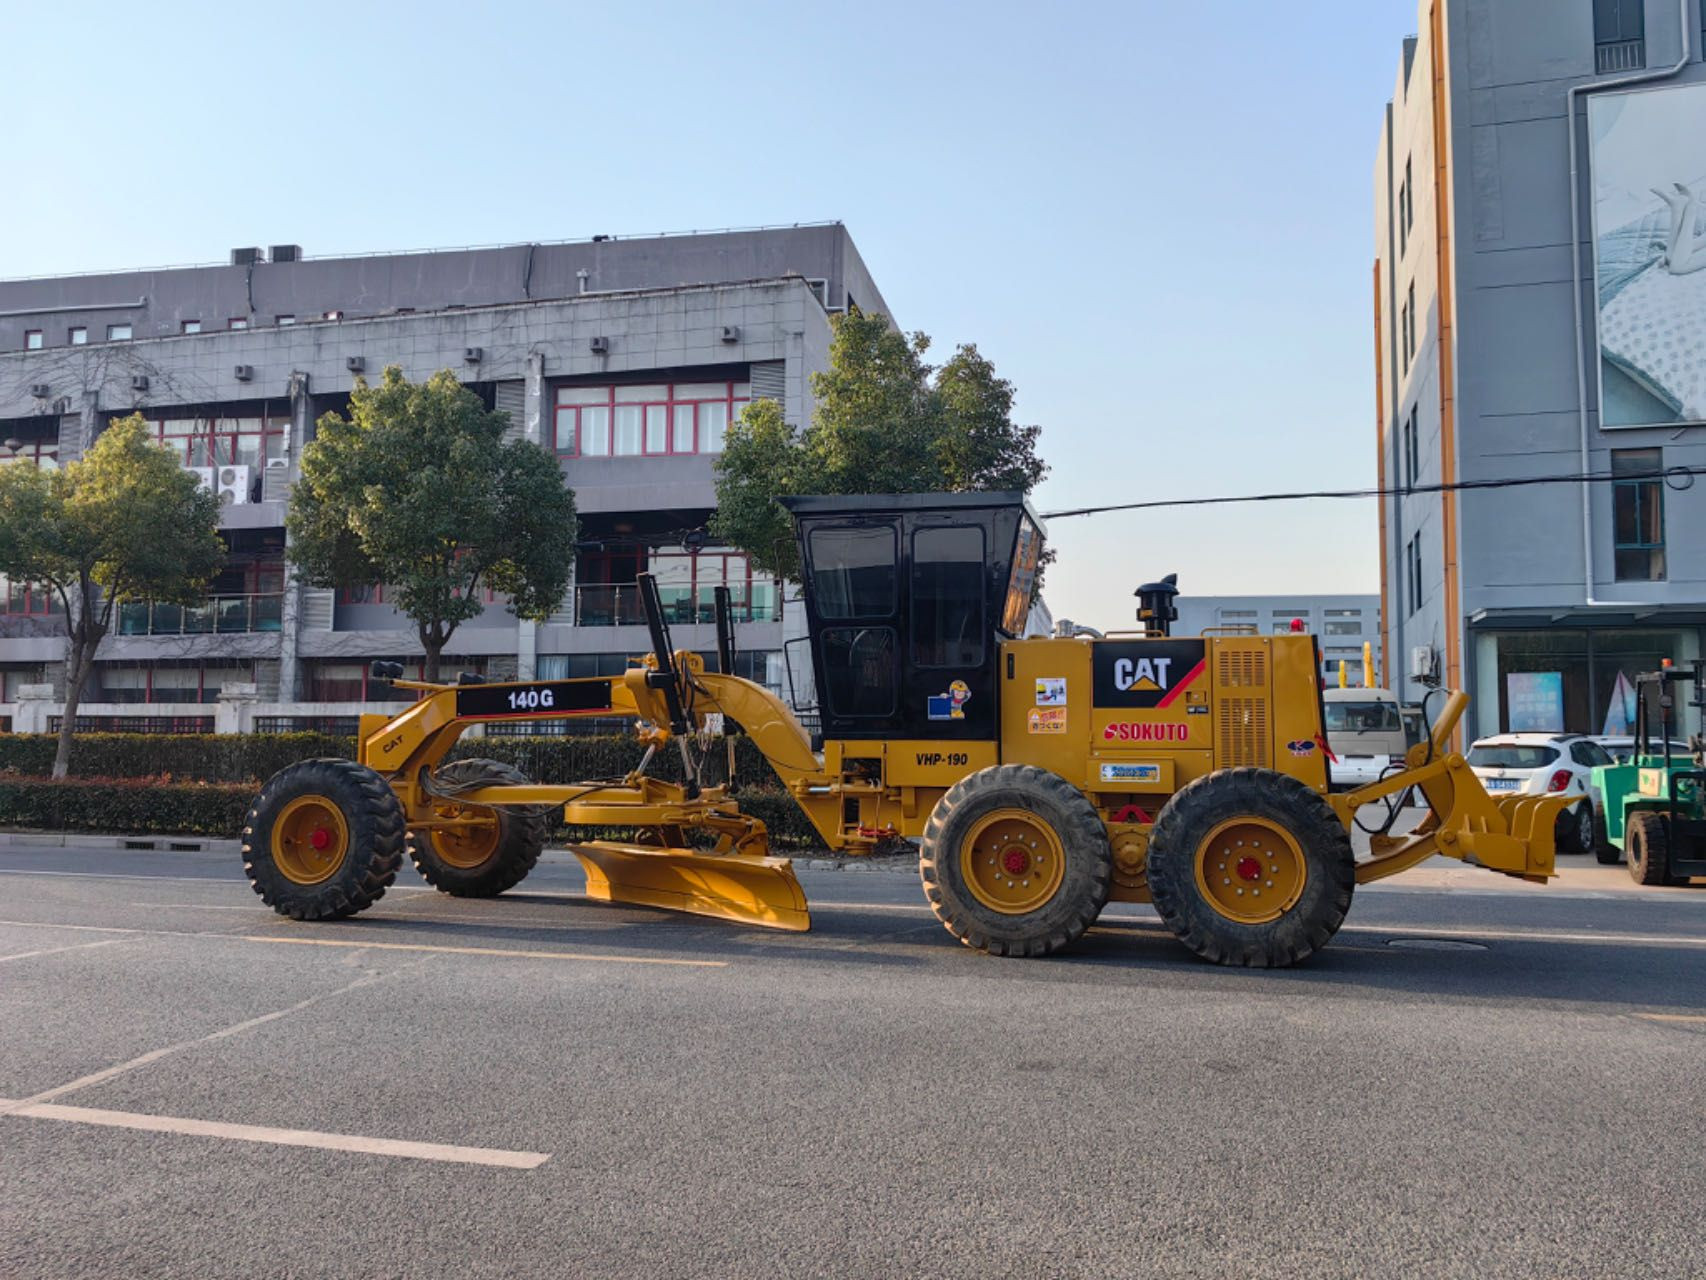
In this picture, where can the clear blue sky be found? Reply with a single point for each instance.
(1155, 218)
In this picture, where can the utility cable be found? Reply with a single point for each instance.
(1677, 478)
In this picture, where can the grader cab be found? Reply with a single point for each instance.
(1042, 777)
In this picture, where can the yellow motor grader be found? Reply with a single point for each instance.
(1043, 777)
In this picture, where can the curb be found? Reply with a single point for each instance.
(142, 843)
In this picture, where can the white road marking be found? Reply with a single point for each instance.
(489, 951)
(490, 1156)
(49, 951)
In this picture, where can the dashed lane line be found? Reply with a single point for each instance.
(51, 951)
(484, 951)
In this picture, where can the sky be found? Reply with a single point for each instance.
(1155, 218)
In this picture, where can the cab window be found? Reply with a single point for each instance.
(853, 572)
(947, 597)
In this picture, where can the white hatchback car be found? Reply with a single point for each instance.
(1535, 764)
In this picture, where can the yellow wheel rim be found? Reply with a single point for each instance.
(1251, 870)
(310, 839)
(466, 847)
(1012, 861)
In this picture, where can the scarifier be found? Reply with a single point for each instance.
(1043, 777)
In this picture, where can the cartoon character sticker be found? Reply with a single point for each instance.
(950, 705)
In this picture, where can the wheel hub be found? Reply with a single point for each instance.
(1251, 870)
(310, 839)
(1012, 861)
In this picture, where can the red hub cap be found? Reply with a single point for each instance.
(1249, 869)
(321, 839)
(1016, 861)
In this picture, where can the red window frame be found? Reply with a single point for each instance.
(374, 594)
(566, 428)
(200, 670)
(214, 436)
(39, 601)
(37, 450)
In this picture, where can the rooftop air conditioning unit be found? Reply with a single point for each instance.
(203, 475)
(245, 257)
(286, 253)
(1423, 663)
(233, 485)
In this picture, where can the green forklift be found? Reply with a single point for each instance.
(1655, 802)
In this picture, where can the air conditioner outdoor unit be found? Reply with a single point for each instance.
(40, 390)
(1422, 663)
(233, 485)
(355, 364)
(600, 346)
(243, 372)
(203, 475)
(139, 382)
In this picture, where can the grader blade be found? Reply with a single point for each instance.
(752, 890)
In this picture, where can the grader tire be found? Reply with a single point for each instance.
(323, 840)
(1648, 843)
(1250, 867)
(1015, 861)
(490, 860)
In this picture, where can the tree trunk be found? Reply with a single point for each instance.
(76, 676)
(429, 668)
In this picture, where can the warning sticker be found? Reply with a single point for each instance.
(1049, 720)
(1051, 691)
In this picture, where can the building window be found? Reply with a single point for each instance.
(281, 321)
(77, 335)
(43, 453)
(32, 339)
(1415, 573)
(218, 442)
(1238, 613)
(239, 322)
(25, 599)
(1341, 613)
(1412, 451)
(659, 418)
(1342, 628)
(167, 681)
(1619, 35)
(190, 326)
(1638, 514)
(118, 333)
(1406, 210)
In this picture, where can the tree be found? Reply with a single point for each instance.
(885, 422)
(125, 523)
(419, 490)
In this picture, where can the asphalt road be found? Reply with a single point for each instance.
(1469, 1082)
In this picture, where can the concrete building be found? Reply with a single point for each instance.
(1342, 624)
(1537, 315)
(627, 357)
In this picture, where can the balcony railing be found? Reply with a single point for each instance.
(1620, 55)
(217, 615)
(618, 605)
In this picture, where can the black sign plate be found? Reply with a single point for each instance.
(1144, 674)
(543, 698)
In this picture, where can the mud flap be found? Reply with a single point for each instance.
(752, 890)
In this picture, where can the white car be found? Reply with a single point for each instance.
(1622, 748)
(1537, 764)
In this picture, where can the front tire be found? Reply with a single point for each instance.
(1015, 861)
(323, 840)
(1251, 867)
(481, 861)
(1647, 841)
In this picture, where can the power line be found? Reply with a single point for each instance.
(1677, 478)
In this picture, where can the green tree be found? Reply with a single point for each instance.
(419, 490)
(885, 421)
(125, 523)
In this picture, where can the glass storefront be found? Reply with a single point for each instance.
(1572, 680)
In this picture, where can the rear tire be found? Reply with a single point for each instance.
(1015, 861)
(1574, 833)
(487, 863)
(1608, 854)
(1647, 841)
(1232, 836)
(323, 840)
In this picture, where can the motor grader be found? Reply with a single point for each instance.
(1042, 777)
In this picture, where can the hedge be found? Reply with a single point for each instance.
(153, 806)
(255, 757)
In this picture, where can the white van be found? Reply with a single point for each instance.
(1365, 730)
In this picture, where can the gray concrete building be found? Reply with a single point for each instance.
(1538, 314)
(628, 357)
(1341, 624)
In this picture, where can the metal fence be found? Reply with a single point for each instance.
(219, 615)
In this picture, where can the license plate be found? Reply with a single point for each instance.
(1503, 784)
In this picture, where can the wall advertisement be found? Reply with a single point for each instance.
(1648, 167)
